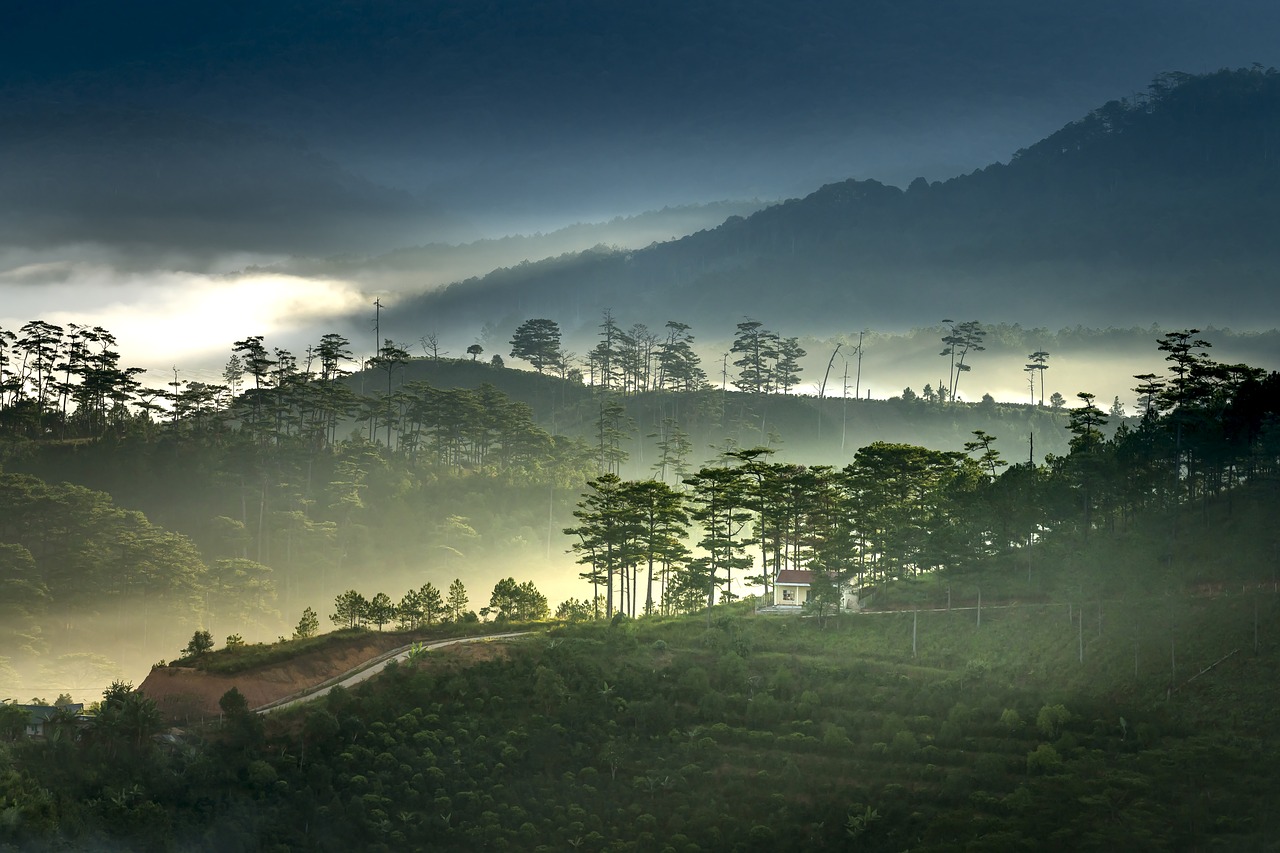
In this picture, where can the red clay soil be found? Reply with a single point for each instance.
(185, 694)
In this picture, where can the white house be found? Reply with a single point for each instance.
(791, 588)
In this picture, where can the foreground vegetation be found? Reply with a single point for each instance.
(1071, 656)
(1058, 723)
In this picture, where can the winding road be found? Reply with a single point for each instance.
(370, 668)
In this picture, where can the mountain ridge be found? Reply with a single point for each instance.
(1147, 209)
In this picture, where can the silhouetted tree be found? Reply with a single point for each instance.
(538, 342)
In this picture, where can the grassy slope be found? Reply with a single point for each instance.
(743, 730)
(812, 431)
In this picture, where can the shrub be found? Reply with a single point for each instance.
(201, 642)
(1043, 759)
(836, 738)
(1051, 719)
(308, 625)
(904, 743)
(1010, 720)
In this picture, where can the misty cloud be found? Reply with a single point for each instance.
(163, 318)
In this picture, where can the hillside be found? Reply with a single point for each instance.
(1159, 207)
(803, 427)
(1055, 720)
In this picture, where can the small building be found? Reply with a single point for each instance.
(38, 715)
(792, 587)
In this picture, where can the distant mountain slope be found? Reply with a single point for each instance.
(1163, 208)
(412, 268)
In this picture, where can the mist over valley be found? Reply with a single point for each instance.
(441, 425)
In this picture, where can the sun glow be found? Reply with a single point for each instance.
(167, 318)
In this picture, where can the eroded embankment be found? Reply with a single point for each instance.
(186, 694)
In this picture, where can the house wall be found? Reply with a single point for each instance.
(799, 595)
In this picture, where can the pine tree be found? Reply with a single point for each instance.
(757, 347)
(456, 603)
(308, 625)
(350, 609)
(381, 610)
(720, 506)
(433, 607)
(786, 373)
(538, 342)
(1039, 364)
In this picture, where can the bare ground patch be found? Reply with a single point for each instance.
(186, 694)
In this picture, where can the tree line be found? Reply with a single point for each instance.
(428, 606)
(898, 509)
(636, 360)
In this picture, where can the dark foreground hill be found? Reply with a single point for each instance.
(1115, 694)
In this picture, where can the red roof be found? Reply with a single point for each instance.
(795, 577)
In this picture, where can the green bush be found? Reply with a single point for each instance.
(904, 743)
(1011, 720)
(1051, 719)
(1044, 759)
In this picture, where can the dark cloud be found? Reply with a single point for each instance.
(542, 108)
(158, 179)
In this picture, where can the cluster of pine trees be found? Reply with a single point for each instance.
(898, 510)
(423, 607)
(636, 360)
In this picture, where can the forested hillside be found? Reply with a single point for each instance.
(900, 515)
(1141, 208)
(665, 712)
(1060, 722)
(233, 507)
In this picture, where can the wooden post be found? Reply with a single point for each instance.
(1135, 660)
(1255, 623)
(979, 607)
(915, 616)
(1081, 637)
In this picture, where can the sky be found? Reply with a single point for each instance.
(157, 159)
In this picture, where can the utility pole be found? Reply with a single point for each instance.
(857, 387)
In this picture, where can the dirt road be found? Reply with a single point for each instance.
(370, 668)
